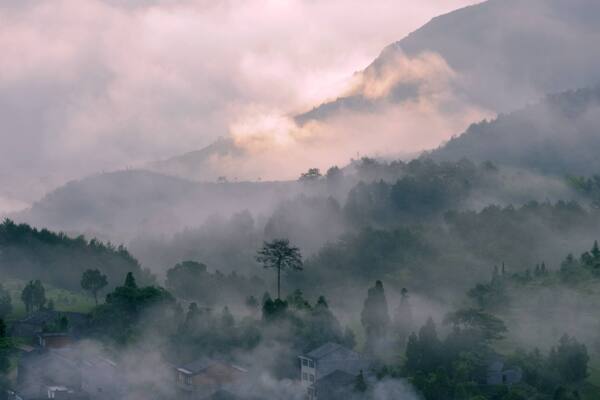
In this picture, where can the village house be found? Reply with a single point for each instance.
(206, 377)
(67, 373)
(329, 368)
(499, 374)
(38, 322)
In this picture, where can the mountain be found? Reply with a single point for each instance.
(503, 54)
(198, 165)
(119, 205)
(559, 135)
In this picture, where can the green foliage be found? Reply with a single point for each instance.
(477, 324)
(33, 296)
(60, 325)
(191, 280)
(426, 189)
(375, 318)
(5, 303)
(490, 296)
(93, 281)
(58, 259)
(360, 385)
(368, 255)
(570, 359)
(120, 319)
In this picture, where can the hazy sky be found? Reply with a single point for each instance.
(97, 85)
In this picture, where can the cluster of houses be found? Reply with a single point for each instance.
(56, 368)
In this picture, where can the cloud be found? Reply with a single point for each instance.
(382, 123)
(88, 86)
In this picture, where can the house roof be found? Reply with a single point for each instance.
(198, 365)
(330, 349)
(337, 385)
(337, 378)
(34, 322)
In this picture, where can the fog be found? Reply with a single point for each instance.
(267, 200)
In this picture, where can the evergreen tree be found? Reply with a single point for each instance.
(360, 385)
(403, 320)
(130, 281)
(375, 317)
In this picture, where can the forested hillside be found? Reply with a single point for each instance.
(558, 135)
(27, 253)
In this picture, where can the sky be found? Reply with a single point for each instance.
(99, 85)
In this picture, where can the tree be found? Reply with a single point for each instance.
(403, 320)
(423, 350)
(360, 385)
(33, 295)
(130, 281)
(280, 255)
(480, 324)
(374, 316)
(570, 359)
(93, 281)
(252, 304)
(312, 175)
(5, 302)
(39, 294)
(296, 300)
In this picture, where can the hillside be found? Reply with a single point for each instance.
(487, 47)
(122, 204)
(558, 135)
(198, 165)
(27, 253)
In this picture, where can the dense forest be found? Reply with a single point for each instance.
(28, 253)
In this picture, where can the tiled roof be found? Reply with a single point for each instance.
(199, 365)
(329, 349)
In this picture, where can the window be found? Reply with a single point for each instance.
(305, 376)
(311, 364)
(304, 362)
(312, 378)
(311, 392)
(188, 380)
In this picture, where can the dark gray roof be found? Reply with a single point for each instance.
(337, 378)
(199, 365)
(34, 323)
(336, 385)
(330, 350)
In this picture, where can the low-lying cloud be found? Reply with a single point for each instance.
(98, 85)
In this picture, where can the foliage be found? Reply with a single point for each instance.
(93, 281)
(191, 280)
(375, 318)
(33, 296)
(119, 319)
(5, 303)
(278, 254)
(58, 259)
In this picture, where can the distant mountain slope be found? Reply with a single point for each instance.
(505, 53)
(559, 135)
(123, 204)
(199, 164)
